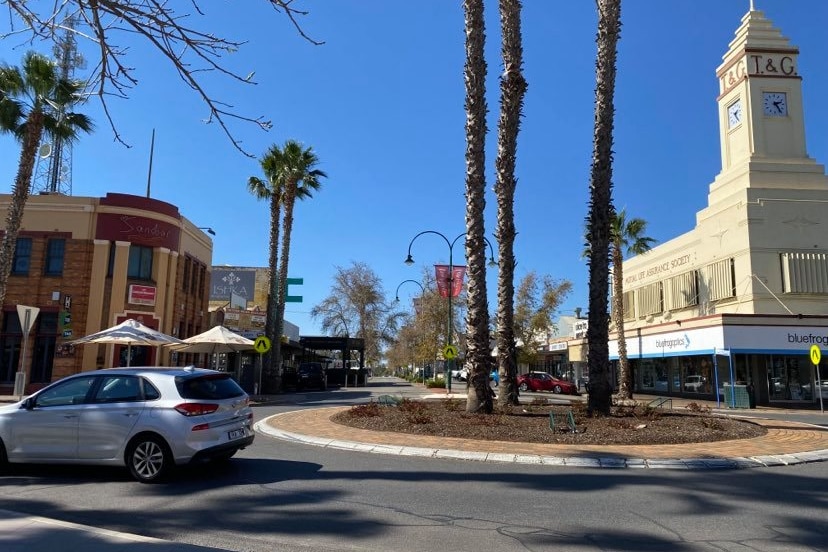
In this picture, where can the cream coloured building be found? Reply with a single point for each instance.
(736, 303)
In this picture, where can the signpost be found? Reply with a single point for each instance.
(262, 345)
(816, 356)
(27, 317)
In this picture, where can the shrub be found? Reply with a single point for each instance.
(365, 410)
(697, 408)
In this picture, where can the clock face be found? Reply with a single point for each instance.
(734, 114)
(775, 104)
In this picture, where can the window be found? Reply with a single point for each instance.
(43, 352)
(55, 249)
(683, 291)
(121, 388)
(72, 391)
(186, 279)
(11, 341)
(804, 272)
(650, 299)
(721, 280)
(22, 257)
(140, 262)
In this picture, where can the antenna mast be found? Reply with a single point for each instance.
(53, 172)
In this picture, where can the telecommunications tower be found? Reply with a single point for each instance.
(53, 171)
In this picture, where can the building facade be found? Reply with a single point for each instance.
(90, 263)
(732, 307)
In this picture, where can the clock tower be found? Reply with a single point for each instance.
(762, 124)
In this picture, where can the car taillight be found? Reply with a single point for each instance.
(196, 409)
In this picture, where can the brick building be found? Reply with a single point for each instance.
(89, 263)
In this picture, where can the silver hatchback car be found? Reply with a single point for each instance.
(147, 419)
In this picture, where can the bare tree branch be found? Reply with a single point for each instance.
(189, 49)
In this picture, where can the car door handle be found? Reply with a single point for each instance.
(70, 416)
(130, 414)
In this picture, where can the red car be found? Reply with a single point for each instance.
(541, 381)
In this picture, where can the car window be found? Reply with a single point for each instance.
(118, 388)
(64, 393)
(150, 392)
(208, 387)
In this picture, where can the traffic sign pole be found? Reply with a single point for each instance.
(816, 356)
(261, 345)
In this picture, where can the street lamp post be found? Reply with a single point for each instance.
(409, 260)
(397, 299)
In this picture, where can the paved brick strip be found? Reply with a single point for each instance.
(783, 438)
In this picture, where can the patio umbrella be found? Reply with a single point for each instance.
(129, 332)
(217, 339)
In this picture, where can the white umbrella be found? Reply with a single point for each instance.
(217, 339)
(129, 332)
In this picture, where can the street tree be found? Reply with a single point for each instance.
(599, 401)
(193, 51)
(357, 307)
(512, 90)
(295, 168)
(34, 100)
(271, 189)
(536, 302)
(478, 358)
(627, 237)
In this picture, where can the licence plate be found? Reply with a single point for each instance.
(235, 434)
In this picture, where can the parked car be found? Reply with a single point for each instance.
(311, 374)
(461, 374)
(694, 384)
(543, 381)
(148, 419)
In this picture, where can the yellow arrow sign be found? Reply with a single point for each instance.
(450, 351)
(816, 354)
(261, 344)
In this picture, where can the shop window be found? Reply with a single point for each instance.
(789, 378)
(22, 257)
(140, 262)
(43, 351)
(55, 250)
(11, 342)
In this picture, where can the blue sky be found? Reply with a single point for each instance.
(381, 102)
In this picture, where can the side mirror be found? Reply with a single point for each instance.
(29, 403)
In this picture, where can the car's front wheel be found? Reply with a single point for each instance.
(148, 458)
(556, 389)
(523, 386)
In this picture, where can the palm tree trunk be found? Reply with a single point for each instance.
(512, 90)
(273, 293)
(609, 28)
(20, 194)
(287, 227)
(479, 397)
(624, 373)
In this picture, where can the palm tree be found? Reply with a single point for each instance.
(479, 397)
(270, 189)
(600, 206)
(296, 167)
(627, 236)
(512, 89)
(32, 102)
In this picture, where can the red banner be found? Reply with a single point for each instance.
(449, 279)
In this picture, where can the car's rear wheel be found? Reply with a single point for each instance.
(523, 386)
(556, 389)
(148, 458)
